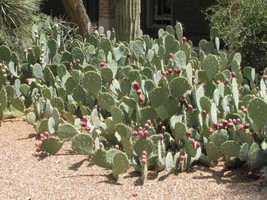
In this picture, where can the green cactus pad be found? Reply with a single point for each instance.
(190, 149)
(100, 159)
(69, 85)
(82, 144)
(143, 145)
(79, 94)
(147, 113)
(37, 71)
(92, 82)
(179, 86)
(106, 101)
(120, 164)
(31, 118)
(51, 125)
(77, 54)
(257, 113)
(51, 146)
(66, 132)
(179, 131)
(52, 46)
(46, 92)
(245, 136)
(230, 148)
(42, 126)
(244, 150)
(123, 130)
(213, 152)
(179, 32)
(179, 59)
(205, 103)
(107, 74)
(117, 114)
(257, 158)
(211, 66)
(169, 162)
(58, 103)
(158, 96)
(66, 57)
(49, 76)
(3, 99)
(235, 92)
(5, 54)
(219, 137)
(18, 104)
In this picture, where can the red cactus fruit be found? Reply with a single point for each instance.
(190, 107)
(144, 153)
(161, 136)
(139, 91)
(170, 70)
(146, 126)
(184, 40)
(145, 133)
(143, 161)
(149, 122)
(197, 145)
(233, 74)
(178, 70)
(85, 118)
(247, 125)
(230, 125)
(163, 129)
(141, 98)
(135, 133)
(84, 124)
(88, 128)
(135, 194)
(135, 85)
(216, 125)
(103, 64)
(254, 134)
(225, 123)
(141, 134)
(143, 157)
(188, 134)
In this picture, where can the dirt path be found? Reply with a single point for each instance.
(66, 176)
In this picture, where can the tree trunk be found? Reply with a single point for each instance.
(77, 14)
(127, 19)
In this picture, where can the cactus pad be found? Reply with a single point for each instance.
(92, 82)
(82, 144)
(51, 146)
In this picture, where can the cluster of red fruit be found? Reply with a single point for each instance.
(142, 132)
(75, 62)
(38, 150)
(170, 71)
(143, 159)
(194, 143)
(84, 122)
(229, 124)
(137, 89)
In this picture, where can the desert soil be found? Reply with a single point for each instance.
(66, 176)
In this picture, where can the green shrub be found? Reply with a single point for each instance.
(16, 19)
(242, 25)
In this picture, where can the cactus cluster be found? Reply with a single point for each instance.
(150, 103)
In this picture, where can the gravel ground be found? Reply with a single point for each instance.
(67, 176)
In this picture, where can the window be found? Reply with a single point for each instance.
(159, 13)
